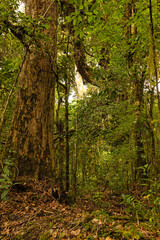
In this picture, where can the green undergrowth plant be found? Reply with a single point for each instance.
(129, 231)
(97, 197)
(6, 180)
(134, 207)
(152, 196)
(147, 207)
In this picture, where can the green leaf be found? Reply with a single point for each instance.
(95, 5)
(89, 13)
(2, 180)
(4, 186)
(95, 11)
(4, 194)
(123, 196)
(77, 32)
(74, 22)
(90, 19)
(68, 19)
(5, 177)
(6, 171)
(81, 34)
(49, 19)
(46, 26)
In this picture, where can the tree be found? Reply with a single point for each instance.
(33, 121)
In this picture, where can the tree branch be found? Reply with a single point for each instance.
(18, 31)
(82, 67)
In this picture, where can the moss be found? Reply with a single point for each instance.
(45, 236)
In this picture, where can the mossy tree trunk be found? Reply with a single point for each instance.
(33, 121)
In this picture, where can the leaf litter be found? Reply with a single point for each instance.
(32, 213)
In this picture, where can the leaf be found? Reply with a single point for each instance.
(4, 194)
(2, 180)
(5, 177)
(90, 19)
(46, 26)
(95, 5)
(68, 19)
(95, 11)
(49, 19)
(88, 13)
(6, 171)
(81, 34)
(77, 32)
(74, 22)
(4, 186)
(76, 232)
(16, 183)
(123, 196)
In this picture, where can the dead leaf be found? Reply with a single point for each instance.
(95, 220)
(76, 232)
(27, 208)
(119, 226)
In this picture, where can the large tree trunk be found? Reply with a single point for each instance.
(33, 122)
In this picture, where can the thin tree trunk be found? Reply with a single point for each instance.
(61, 155)
(153, 151)
(60, 128)
(139, 149)
(67, 133)
(154, 57)
(76, 161)
(138, 84)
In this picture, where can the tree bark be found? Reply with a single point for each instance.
(33, 121)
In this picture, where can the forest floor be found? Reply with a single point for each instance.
(32, 213)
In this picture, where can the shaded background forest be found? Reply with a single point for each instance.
(108, 135)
